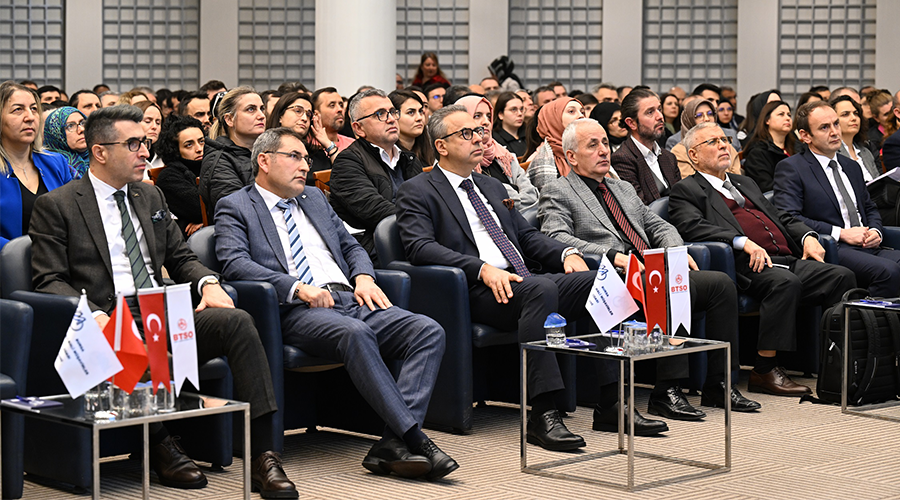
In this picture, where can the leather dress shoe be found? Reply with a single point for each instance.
(714, 395)
(607, 420)
(777, 383)
(392, 455)
(672, 404)
(173, 467)
(441, 463)
(549, 432)
(268, 478)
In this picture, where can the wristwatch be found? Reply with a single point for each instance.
(208, 281)
(571, 251)
(331, 149)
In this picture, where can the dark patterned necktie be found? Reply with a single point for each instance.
(639, 244)
(738, 197)
(132, 246)
(506, 247)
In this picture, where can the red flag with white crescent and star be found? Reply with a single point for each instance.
(131, 351)
(633, 279)
(655, 271)
(153, 312)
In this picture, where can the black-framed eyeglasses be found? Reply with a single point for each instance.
(70, 127)
(133, 145)
(293, 155)
(715, 141)
(466, 133)
(300, 110)
(382, 114)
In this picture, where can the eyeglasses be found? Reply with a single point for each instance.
(382, 114)
(293, 155)
(300, 110)
(133, 144)
(466, 133)
(709, 113)
(715, 141)
(70, 127)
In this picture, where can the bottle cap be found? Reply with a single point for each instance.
(554, 320)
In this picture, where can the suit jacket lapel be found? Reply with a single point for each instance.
(90, 211)
(819, 173)
(142, 210)
(448, 193)
(502, 212)
(268, 227)
(718, 204)
(315, 218)
(648, 183)
(590, 201)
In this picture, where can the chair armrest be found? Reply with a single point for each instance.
(891, 237)
(701, 255)
(721, 257)
(52, 316)
(592, 260)
(830, 246)
(260, 299)
(15, 331)
(396, 285)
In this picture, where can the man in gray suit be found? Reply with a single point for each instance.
(281, 231)
(600, 215)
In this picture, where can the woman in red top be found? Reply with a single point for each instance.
(429, 71)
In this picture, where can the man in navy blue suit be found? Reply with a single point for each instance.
(281, 231)
(827, 192)
(454, 217)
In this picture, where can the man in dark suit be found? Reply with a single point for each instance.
(454, 217)
(650, 169)
(109, 232)
(778, 258)
(827, 192)
(280, 231)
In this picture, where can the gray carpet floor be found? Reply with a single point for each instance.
(786, 451)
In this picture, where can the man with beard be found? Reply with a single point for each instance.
(650, 169)
(196, 106)
(329, 108)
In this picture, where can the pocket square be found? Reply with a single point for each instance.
(158, 216)
(509, 203)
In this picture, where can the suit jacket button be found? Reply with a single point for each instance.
(110, 297)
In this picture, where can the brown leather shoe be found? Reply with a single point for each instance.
(268, 478)
(173, 467)
(777, 383)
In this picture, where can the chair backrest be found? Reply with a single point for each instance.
(203, 207)
(427, 169)
(524, 164)
(16, 320)
(660, 207)
(15, 260)
(323, 177)
(203, 243)
(387, 241)
(154, 173)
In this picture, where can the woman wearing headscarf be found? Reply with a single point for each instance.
(549, 161)
(609, 116)
(64, 134)
(696, 112)
(497, 161)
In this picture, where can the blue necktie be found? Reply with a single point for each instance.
(506, 247)
(303, 272)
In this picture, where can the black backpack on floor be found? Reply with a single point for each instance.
(874, 375)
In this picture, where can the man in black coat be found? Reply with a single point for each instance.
(365, 177)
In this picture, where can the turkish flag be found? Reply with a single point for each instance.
(153, 311)
(633, 279)
(655, 270)
(131, 351)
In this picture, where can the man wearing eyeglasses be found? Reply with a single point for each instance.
(281, 231)
(516, 275)
(778, 258)
(110, 233)
(365, 176)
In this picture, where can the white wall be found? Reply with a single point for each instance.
(84, 46)
(219, 41)
(757, 48)
(887, 64)
(622, 48)
(488, 35)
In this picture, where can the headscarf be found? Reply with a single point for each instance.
(689, 115)
(55, 140)
(492, 150)
(550, 127)
(603, 113)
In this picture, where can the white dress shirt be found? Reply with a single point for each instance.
(845, 212)
(862, 166)
(322, 263)
(391, 162)
(652, 159)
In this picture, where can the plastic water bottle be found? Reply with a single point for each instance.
(555, 329)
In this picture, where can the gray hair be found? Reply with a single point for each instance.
(108, 92)
(570, 134)
(353, 107)
(688, 139)
(436, 126)
(607, 86)
(100, 126)
(270, 140)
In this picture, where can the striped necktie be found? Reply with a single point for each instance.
(506, 247)
(639, 244)
(297, 254)
(132, 246)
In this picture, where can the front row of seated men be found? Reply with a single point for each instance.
(110, 233)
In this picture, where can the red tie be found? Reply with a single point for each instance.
(639, 244)
(506, 247)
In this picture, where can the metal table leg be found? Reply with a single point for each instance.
(728, 407)
(631, 424)
(95, 462)
(145, 471)
(622, 406)
(247, 453)
(523, 413)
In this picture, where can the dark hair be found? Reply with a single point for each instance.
(318, 93)
(59, 103)
(676, 123)
(270, 140)
(543, 88)
(698, 90)
(861, 136)
(99, 86)
(754, 107)
(167, 145)
(630, 104)
(212, 85)
(274, 119)
(432, 86)
(28, 82)
(761, 132)
(48, 88)
(817, 88)
(100, 126)
(292, 87)
(453, 93)
(587, 99)
(182, 105)
(422, 147)
(500, 107)
(802, 117)
(267, 94)
(420, 75)
(533, 139)
(73, 100)
(805, 98)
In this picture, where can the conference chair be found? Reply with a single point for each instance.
(16, 319)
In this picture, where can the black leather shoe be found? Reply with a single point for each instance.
(607, 420)
(714, 395)
(392, 455)
(268, 478)
(549, 432)
(173, 467)
(441, 463)
(673, 405)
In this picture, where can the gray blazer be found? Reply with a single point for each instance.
(248, 246)
(867, 158)
(570, 213)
